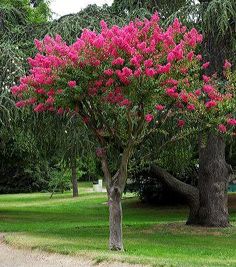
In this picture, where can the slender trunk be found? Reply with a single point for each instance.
(115, 187)
(74, 178)
(190, 192)
(213, 183)
(115, 219)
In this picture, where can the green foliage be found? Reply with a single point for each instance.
(219, 18)
(70, 26)
(22, 167)
(165, 8)
(60, 181)
(175, 151)
(24, 11)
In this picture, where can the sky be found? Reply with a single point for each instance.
(63, 7)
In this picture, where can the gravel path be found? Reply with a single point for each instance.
(12, 257)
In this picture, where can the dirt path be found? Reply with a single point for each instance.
(12, 257)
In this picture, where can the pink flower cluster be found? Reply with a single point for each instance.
(139, 49)
(119, 66)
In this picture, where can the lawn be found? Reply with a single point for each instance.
(152, 235)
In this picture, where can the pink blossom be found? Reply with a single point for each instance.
(190, 107)
(108, 72)
(40, 91)
(210, 104)
(50, 108)
(198, 92)
(190, 55)
(142, 45)
(60, 111)
(99, 42)
(206, 78)
(110, 82)
(95, 62)
(159, 107)
(118, 61)
(222, 128)
(39, 108)
(138, 72)
(208, 89)
(148, 63)
(172, 81)
(199, 57)
(176, 25)
(38, 45)
(170, 57)
(231, 121)
(135, 61)
(31, 100)
(178, 52)
(227, 64)
(179, 105)
(125, 102)
(172, 92)
(51, 92)
(127, 71)
(149, 118)
(184, 97)
(150, 72)
(206, 65)
(163, 69)
(184, 70)
(60, 91)
(50, 100)
(72, 84)
(181, 123)
(98, 83)
(21, 104)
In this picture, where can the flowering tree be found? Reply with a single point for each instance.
(118, 81)
(211, 110)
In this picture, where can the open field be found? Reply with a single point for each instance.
(152, 235)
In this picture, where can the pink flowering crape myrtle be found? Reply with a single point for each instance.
(122, 82)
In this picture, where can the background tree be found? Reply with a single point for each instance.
(164, 8)
(22, 167)
(217, 33)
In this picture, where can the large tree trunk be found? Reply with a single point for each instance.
(115, 219)
(213, 182)
(209, 203)
(74, 178)
(188, 191)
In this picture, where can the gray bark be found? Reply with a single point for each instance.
(115, 188)
(213, 183)
(115, 219)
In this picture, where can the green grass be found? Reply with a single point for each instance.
(152, 235)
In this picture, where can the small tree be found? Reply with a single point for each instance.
(113, 80)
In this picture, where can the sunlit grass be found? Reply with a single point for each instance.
(154, 235)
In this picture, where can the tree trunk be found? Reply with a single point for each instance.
(115, 187)
(74, 179)
(190, 192)
(213, 183)
(115, 219)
